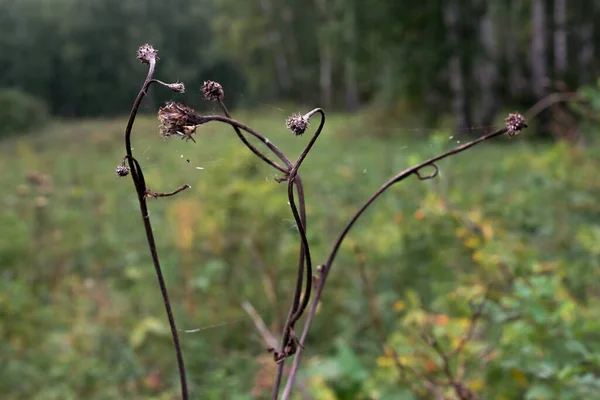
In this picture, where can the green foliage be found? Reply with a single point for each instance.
(82, 317)
(21, 112)
(331, 53)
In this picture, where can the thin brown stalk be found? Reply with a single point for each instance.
(139, 182)
(234, 123)
(327, 266)
(265, 333)
(248, 144)
(289, 338)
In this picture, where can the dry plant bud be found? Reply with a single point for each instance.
(177, 87)
(178, 119)
(36, 178)
(42, 182)
(146, 53)
(22, 190)
(514, 123)
(297, 124)
(213, 91)
(122, 170)
(41, 202)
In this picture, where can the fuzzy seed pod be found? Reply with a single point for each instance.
(515, 123)
(146, 53)
(297, 124)
(213, 91)
(178, 119)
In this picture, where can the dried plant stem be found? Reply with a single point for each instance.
(299, 213)
(139, 182)
(293, 314)
(236, 124)
(248, 144)
(296, 309)
(310, 143)
(327, 266)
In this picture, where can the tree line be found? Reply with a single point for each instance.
(464, 57)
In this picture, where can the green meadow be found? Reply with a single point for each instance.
(513, 221)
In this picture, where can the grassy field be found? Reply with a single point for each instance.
(82, 316)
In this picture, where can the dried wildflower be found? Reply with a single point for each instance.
(22, 190)
(297, 124)
(146, 53)
(42, 182)
(514, 123)
(213, 91)
(178, 119)
(122, 170)
(36, 178)
(41, 202)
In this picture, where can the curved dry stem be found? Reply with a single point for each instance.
(140, 186)
(248, 144)
(234, 123)
(430, 176)
(310, 143)
(297, 310)
(292, 316)
(135, 108)
(327, 266)
(156, 195)
(305, 247)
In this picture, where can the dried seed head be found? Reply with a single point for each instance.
(41, 202)
(297, 124)
(178, 119)
(22, 189)
(42, 182)
(122, 170)
(213, 91)
(514, 123)
(146, 53)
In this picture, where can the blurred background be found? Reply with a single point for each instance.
(497, 258)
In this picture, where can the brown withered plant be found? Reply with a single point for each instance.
(179, 120)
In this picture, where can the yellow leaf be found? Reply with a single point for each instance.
(461, 232)
(385, 362)
(472, 242)
(346, 172)
(519, 376)
(186, 213)
(488, 231)
(476, 385)
(399, 306)
(146, 326)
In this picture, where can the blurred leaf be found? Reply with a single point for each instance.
(148, 325)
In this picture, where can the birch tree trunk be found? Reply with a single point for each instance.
(538, 52)
(560, 38)
(350, 39)
(486, 71)
(516, 80)
(455, 66)
(585, 36)
(325, 56)
(275, 42)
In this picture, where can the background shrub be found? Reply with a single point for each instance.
(21, 112)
